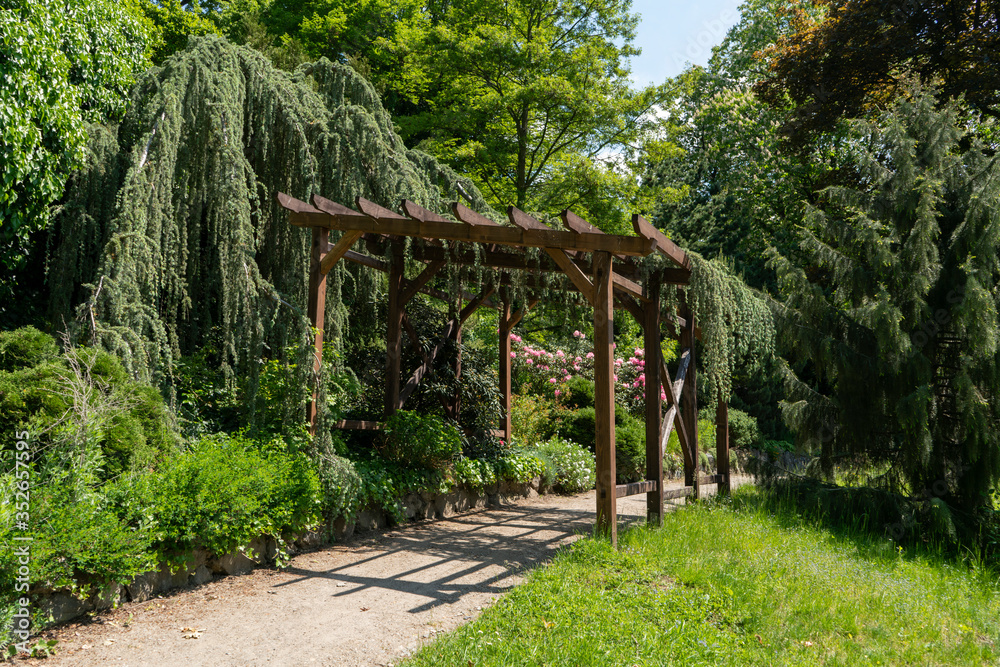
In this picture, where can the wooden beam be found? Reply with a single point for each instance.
(653, 403)
(338, 250)
(689, 404)
(420, 213)
(367, 260)
(402, 226)
(635, 488)
(474, 305)
(572, 271)
(411, 287)
(505, 366)
(674, 416)
(470, 217)
(663, 244)
(317, 315)
(394, 333)
(604, 396)
(722, 444)
(682, 492)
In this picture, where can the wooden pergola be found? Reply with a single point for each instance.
(602, 267)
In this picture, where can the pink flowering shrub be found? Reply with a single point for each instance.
(546, 372)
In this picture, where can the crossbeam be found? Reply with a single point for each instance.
(334, 216)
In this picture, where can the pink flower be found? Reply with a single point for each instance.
(590, 355)
(577, 334)
(642, 363)
(567, 378)
(616, 378)
(513, 355)
(530, 362)
(559, 353)
(515, 338)
(578, 360)
(558, 392)
(638, 352)
(552, 380)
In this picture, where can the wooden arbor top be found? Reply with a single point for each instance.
(503, 244)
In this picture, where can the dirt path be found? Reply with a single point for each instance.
(368, 601)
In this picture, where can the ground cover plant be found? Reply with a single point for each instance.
(746, 581)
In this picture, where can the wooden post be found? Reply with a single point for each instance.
(504, 335)
(722, 445)
(652, 355)
(604, 396)
(689, 402)
(317, 313)
(394, 330)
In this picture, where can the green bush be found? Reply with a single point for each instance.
(630, 448)
(581, 393)
(569, 468)
(423, 441)
(342, 485)
(533, 419)
(86, 415)
(228, 490)
(579, 426)
(744, 431)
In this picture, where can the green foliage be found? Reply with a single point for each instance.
(63, 65)
(580, 393)
(532, 418)
(420, 441)
(630, 448)
(835, 65)
(568, 467)
(228, 490)
(743, 430)
(555, 95)
(892, 303)
(171, 239)
(89, 419)
(172, 22)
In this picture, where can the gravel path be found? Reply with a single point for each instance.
(367, 601)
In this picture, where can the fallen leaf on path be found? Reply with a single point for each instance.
(364, 609)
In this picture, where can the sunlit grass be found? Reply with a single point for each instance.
(736, 583)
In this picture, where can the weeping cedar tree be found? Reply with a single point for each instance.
(895, 306)
(170, 240)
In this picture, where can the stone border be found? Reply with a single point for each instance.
(201, 567)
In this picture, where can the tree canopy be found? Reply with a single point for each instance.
(858, 55)
(895, 305)
(63, 65)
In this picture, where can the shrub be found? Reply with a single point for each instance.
(533, 419)
(579, 427)
(80, 407)
(228, 490)
(342, 486)
(744, 431)
(630, 448)
(580, 393)
(569, 468)
(423, 441)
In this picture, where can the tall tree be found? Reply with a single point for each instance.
(63, 65)
(857, 55)
(895, 307)
(523, 94)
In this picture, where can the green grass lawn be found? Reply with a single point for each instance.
(738, 582)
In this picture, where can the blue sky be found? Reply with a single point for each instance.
(674, 32)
